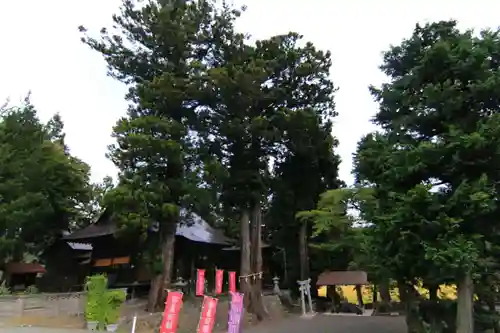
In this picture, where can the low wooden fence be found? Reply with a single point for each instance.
(72, 304)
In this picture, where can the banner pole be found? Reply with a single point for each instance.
(134, 322)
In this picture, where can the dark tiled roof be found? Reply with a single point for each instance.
(194, 228)
(342, 278)
(94, 230)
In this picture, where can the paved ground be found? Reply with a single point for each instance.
(317, 324)
(39, 330)
(337, 324)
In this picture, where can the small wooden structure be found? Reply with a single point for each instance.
(332, 279)
(19, 275)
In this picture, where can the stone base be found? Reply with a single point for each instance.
(308, 315)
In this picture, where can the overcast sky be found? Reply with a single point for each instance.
(40, 52)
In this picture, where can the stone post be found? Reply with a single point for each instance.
(302, 289)
(302, 297)
(276, 287)
(308, 291)
(20, 303)
(305, 290)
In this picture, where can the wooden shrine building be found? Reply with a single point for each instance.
(197, 245)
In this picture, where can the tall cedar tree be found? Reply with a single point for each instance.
(41, 184)
(305, 167)
(256, 90)
(160, 50)
(441, 126)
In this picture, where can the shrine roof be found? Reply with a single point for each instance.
(193, 227)
(339, 278)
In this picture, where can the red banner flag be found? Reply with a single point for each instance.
(219, 278)
(232, 282)
(200, 283)
(207, 319)
(171, 313)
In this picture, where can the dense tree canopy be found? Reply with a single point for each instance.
(41, 184)
(426, 183)
(432, 167)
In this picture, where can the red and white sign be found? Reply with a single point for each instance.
(200, 282)
(219, 279)
(232, 282)
(207, 319)
(171, 313)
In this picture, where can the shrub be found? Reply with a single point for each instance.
(4, 290)
(114, 301)
(96, 287)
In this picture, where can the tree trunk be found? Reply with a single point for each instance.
(168, 253)
(336, 300)
(408, 297)
(245, 257)
(375, 295)
(433, 315)
(331, 292)
(433, 292)
(359, 295)
(256, 249)
(385, 296)
(161, 281)
(385, 292)
(153, 293)
(465, 294)
(490, 301)
(303, 252)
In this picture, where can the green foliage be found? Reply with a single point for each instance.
(114, 301)
(103, 305)
(426, 187)
(431, 168)
(4, 290)
(41, 185)
(305, 167)
(253, 113)
(332, 212)
(339, 232)
(96, 288)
